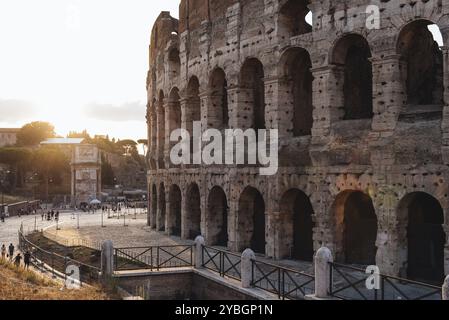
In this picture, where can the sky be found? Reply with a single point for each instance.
(79, 64)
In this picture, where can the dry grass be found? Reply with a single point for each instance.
(20, 284)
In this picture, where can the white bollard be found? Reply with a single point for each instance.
(446, 289)
(322, 272)
(107, 258)
(246, 267)
(199, 243)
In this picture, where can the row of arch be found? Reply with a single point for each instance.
(351, 57)
(355, 234)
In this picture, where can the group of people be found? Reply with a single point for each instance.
(50, 215)
(18, 258)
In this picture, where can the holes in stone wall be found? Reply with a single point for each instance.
(219, 115)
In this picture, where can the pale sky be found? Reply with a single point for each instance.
(79, 64)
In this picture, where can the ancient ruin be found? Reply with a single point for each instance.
(363, 119)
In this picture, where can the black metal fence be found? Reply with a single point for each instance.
(153, 258)
(285, 283)
(349, 283)
(225, 263)
(58, 265)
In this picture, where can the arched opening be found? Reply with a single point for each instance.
(193, 109)
(296, 226)
(424, 63)
(175, 199)
(297, 86)
(193, 212)
(217, 218)
(292, 18)
(154, 207)
(193, 100)
(161, 129)
(356, 228)
(162, 209)
(352, 53)
(425, 239)
(218, 116)
(174, 111)
(174, 63)
(251, 221)
(252, 85)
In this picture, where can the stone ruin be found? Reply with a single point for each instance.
(363, 119)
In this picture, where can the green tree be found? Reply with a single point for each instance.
(34, 133)
(51, 164)
(83, 135)
(107, 173)
(19, 160)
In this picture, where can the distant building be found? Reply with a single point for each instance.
(85, 168)
(8, 136)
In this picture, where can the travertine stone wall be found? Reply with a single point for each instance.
(400, 150)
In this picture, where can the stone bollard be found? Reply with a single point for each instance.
(246, 267)
(322, 272)
(199, 243)
(107, 258)
(446, 289)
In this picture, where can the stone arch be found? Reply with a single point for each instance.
(161, 129)
(174, 63)
(253, 88)
(161, 216)
(175, 209)
(292, 18)
(154, 206)
(352, 54)
(217, 218)
(193, 100)
(174, 110)
(192, 222)
(296, 226)
(218, 116)
(423, 64)
(297, 89)
(251, 224)
(421, 219)
(355, 228)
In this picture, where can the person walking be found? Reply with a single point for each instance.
(17, 260)
(3, 252)
(11, 251)
(27, 259)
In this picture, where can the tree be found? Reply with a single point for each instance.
(107, 173)
(34, 133)
(83, 135)
(50, 163)
(19, 160)
(128, 147)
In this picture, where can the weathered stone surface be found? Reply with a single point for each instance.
(246, 59)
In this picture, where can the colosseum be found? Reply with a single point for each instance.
(362, 113)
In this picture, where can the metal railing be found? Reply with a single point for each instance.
(56, 263)
(285, 283)
(349, 283)
(225, 263)
(153, 258)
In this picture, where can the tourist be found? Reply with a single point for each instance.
(42, 215)
(11, 251)
(3, 251)
(17, 260)
(27, 259)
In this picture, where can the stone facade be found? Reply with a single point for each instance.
(86, 174)
(363, 118)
